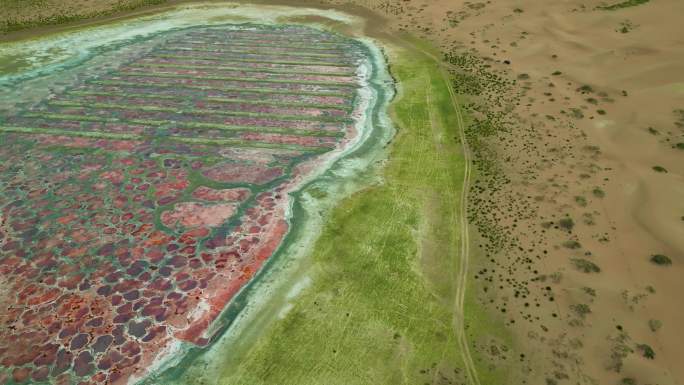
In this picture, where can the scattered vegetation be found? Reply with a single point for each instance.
(679, 114)
(18, 15)
(659, 169)
(619, 351)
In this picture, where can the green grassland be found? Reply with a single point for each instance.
(380, 309)
(23, 14)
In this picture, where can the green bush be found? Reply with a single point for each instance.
(646, 351)
(572, 245)
(566, 223)
(580, 200)
(598, 192)
(660, 259)
(586, 266)
(655, 325)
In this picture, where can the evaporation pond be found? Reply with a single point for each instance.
(141, 188)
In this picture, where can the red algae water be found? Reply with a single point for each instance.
(138, 199)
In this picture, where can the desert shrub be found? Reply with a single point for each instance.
(571, 245)
(619, 351)
(588, 219)
(624, 4)
(580, 200)
(625, 27)
(590, 291)
(586, 266)
(598, 192)
(659, 169)
(581, 310)
(586, 89)
(577, 113)
(566, 223)
(646, 351)
(655, 325)
(660, 259)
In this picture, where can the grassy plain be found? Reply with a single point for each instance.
(380, 309)
(22, 14)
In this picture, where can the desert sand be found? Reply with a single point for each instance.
(589, 85)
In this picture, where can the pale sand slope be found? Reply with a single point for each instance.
(642, 211)
(550, 163)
